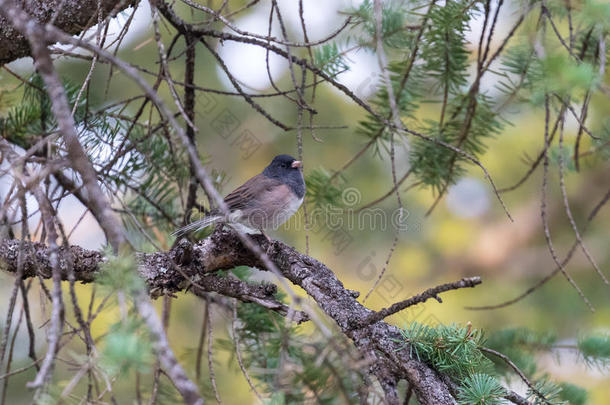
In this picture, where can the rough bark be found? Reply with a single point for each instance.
(192, 265)
(72, 17)
(163, 272)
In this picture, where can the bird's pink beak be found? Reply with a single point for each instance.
(296, 164)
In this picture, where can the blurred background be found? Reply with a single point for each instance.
(466, 234)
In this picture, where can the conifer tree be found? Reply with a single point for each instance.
(129, 141)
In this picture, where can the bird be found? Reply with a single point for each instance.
(264, 202)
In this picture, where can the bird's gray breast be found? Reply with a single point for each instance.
(289, 210)
(296, 183)
(273, 207)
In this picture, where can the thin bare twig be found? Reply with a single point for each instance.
(57, 312)
(516, 370)
(395, 115)
(604, 200)
(238, 352)
(202, 334)
(543, 208)
(268, 37)
(423, 297)
(568, 211)
(37, 35)
(210, 349)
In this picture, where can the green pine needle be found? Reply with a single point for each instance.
(595, 349)
(451, 349)
(480, 389)
(329, 59)
(574, 394)
(127, 346)
(550, 393)
(322, 190)
(119, 273)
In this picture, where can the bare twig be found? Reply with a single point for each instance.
(202, 334)
(98, 204)
(516, 370)
(238, 353)
(543, 208)
(210, 356)
(37, 36)
(268, 37)
(395, 115)
(188, 389)
(423, 297)
(57, 312)
(568, 211)
(557, 269)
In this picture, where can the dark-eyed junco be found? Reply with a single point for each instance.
(264, 202)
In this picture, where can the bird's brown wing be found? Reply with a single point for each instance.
(241, 198)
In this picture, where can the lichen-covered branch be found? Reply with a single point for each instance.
(164, 273)
(186, 264)
(71, 16)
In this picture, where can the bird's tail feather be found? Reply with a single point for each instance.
(197, 225)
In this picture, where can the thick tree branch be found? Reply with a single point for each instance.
(164, 273)
(71, 16)
(168, 272)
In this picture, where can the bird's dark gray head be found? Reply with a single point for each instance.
(288, 170)
(282, 162)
